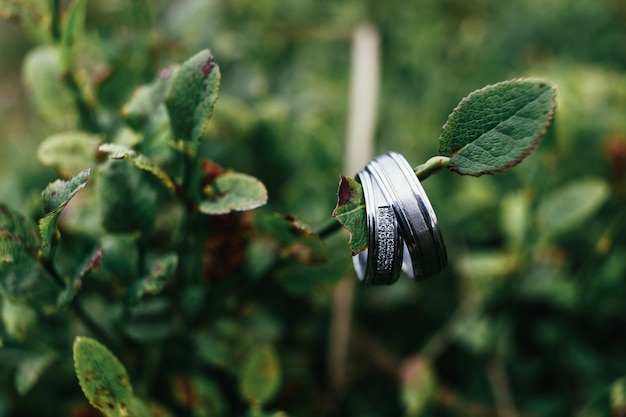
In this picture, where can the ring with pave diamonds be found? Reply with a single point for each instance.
(381, 262)
(424, 252)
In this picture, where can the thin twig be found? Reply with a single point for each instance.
(55, 24)
(78, 309)
(501, 389)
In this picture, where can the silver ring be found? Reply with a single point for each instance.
(415, 217)
(381, 262)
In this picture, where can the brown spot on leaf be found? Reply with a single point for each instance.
(208, 66)
(344, 194)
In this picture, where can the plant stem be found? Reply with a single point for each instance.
(432, 166)
(86, 114)
(78, 309)
(55, 25)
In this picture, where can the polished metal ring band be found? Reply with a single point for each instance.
(381, 262)
(424, 251)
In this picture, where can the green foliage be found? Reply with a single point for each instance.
(232, 191)
(350, 212)
(55, 198)
(496, 127)
(191, 249)
(191, 96)
(69, 152)
(260, 375)
(102, 377)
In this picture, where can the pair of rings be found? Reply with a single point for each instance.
(403, 234)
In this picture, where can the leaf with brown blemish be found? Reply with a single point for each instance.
(102, 378)
(350, 212)
(191, 96)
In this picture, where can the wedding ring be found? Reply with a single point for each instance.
(381, 262)
(424, 251)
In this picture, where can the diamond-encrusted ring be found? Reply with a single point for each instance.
(392, 190)
(381, 262)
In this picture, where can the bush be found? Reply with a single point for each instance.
(156, 276)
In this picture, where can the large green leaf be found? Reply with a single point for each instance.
(102, 377)
(42, 72)
(260, 375)
(55, 198)
(192, 94)
(350, 212)
(18, 237)
(497, 126)
(569, 206)
(233, 191)
(69, 152)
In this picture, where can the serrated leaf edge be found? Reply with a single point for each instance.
(534, 142)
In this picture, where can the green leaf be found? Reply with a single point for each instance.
(55, 198)
(618, 397)
(350, 212)
(296, 239)
(42, 73)
(152, 320)
(102, 377)
(120, 256)
(190, 99)
(28, 283)
(200, 395)
(569, 206)
(514, 218)
(19, 319)
(93, 262)
(497, 126)
(233, 191)
(128, 203)
(484, 272)
(161, 273)
(260, 375)
(69, 152)
(18, 237)
(72, 33)
(116, 151)
(33, 14)
(29, 371)
(148, 99)
(216, 352)
(418, 385)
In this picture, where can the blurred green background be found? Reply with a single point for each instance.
(530, 316)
